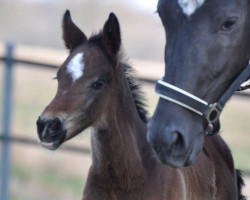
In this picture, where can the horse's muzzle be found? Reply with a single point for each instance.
(50, 132)
(172, 146)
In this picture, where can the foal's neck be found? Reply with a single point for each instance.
(119, 139)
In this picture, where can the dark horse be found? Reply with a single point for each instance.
(208, 47)
(96, 89)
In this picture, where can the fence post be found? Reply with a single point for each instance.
(7, 103)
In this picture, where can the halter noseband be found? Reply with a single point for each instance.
(211, 112)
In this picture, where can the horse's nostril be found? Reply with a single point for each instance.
(167, 141)
(178, 140)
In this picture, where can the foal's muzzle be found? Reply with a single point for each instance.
(50, 132)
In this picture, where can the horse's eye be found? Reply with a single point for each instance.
(228, 25)
(98, 84)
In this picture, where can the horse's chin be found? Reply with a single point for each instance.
(177, 162)
(195, 151)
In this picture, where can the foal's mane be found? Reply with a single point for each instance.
(136, 91)
(129, 73)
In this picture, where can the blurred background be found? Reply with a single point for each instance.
(33, 27)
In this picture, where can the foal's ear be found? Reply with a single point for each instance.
(111, 35)
(72, 35)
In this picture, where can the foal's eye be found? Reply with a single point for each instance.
(228, 25)
(98, 84)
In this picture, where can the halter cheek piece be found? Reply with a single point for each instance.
(210, 112)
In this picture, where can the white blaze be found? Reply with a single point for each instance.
(190, 6)
(75, 66)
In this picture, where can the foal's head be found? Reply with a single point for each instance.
(207, 48)
(84, 83)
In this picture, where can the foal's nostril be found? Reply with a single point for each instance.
(40, 125)
(55, 127)
(48, 128)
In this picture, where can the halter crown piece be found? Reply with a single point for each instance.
(210, 112)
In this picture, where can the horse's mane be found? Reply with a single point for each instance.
(129, 73)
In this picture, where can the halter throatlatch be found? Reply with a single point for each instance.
(210, 112)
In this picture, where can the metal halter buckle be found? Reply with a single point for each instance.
(213, 114)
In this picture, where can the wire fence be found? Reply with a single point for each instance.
(5, 137)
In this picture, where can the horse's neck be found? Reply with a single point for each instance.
(119, 139)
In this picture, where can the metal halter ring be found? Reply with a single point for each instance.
(213, 114)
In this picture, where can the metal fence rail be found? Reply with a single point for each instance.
(6, 122)
(5, 137)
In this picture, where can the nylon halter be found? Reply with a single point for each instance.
(211, 112)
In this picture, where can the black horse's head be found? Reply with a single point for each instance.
(208, 46)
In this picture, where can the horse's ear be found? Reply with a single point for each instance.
(72, 35)
(111, 36)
